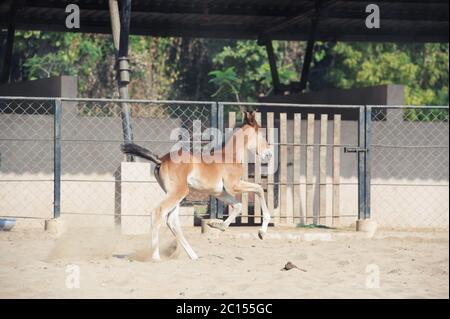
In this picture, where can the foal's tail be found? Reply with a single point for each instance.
(134, 149)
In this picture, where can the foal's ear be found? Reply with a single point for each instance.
(250, 118)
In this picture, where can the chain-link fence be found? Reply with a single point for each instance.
(26, 160)
(410, 160)
(98, 187)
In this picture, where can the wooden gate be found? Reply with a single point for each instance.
(295, 194)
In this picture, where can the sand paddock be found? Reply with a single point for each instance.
(35, 264)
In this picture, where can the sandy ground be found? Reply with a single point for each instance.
(35, 264)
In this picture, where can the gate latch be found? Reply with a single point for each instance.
(355, 150)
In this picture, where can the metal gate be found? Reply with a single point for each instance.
(309, 181)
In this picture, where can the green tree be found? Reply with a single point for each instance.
(422, 68)
(243, 68)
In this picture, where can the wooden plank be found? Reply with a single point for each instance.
(271, 166)
(244, 218)
(283, 167)
(257, 203)
(336, 169)
(296, 179)
(310, 170)
(323, 169)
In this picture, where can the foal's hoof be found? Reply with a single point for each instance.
(217, 225)
(261, 234)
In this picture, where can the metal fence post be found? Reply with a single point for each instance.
(57, 159)
(221, 127)
(367, 140)
(361, 163)
(213, 124)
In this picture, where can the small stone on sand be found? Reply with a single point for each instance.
(289, 265)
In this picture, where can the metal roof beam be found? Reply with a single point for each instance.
(301, 17)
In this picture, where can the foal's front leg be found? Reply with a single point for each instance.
(236, 208)
(243, 187)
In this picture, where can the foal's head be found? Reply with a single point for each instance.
(255, 138)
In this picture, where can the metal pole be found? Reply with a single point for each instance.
(124, 68)
(120, 25)
(7, 58)
(368, 141)
(221, 127)
(309, 52)
(273, 66)
(213, 123)
(115, 23)
(361, 163)
(57, 159)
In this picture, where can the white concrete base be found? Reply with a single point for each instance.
(55, 226)
(366, 226)
(140, 194)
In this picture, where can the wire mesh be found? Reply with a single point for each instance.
(410, 157)
(26, 160)
(96, 181)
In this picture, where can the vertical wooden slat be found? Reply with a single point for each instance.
(271, 165)
(296, 179)
(257, 203)
(231, 124)
(336, 168)
(323, 169)
(283, 167)
(309, 169)
(244, 218)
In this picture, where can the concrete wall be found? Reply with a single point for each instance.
(389, 94)
(58, 86)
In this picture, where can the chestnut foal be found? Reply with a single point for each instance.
(220, 177)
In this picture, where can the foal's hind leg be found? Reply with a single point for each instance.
(236, 208)
(173, 222)
(166, 206)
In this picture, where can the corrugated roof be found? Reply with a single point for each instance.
(401, 20)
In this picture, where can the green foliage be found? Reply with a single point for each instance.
(225, 80)
(426, 115)
(165, 68)
(47, 54)
(422, 68)
(244, 66)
